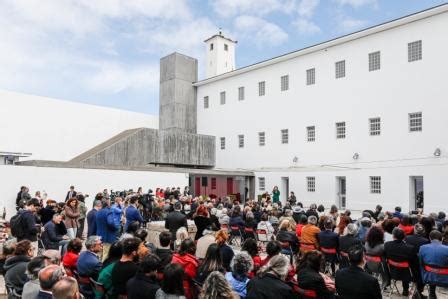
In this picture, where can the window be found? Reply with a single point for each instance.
(311, 184)
(213, 183)
(340, 130)
(261, 139)
(415, 51)
(205, 102)
(223, 142)
(261, 88)
(284, 83)
(415, 122)
(311, 76)
(211, 47)
(241, 93)
(240, 141)
(261, 184)
(340, 69)
(374, 61)
(375, 184)
(311, 133)
(375, 126)
(222, 97)
(285, 136)
(226, 47)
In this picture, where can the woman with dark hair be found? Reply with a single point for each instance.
(309, 278)
(334, 213)
(343, 222)
(201, 219)
(388, 226)
(71, 257)
(15, 267)
(212, 262)
(429, 224)
(275, 195)
(251, 247)
(226, 251)
(172, 286)
(144, 284)
(71, 217)
(236, 219)
(375, 242)
(189, 263)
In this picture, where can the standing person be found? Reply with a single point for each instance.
(91, 218)
(25, 227)
(126, 267)
(292, 199)
(132, 213)
(82, 215)
(176, 220)
(105, 227)
(145, 284)
(354, 282)
(71, 193)
(117, 211)
(71, 217)
(201, 219)
(275, 195)
(19, 195)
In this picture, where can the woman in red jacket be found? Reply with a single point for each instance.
(189, 263)
(71, 257)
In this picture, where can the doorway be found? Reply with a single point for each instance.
(416, 192)
(284, 189)
(341, 196)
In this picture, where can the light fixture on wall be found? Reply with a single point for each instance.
(295, 160)
(437, 152)
(355, 156)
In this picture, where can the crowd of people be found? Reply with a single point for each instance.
(255, 249)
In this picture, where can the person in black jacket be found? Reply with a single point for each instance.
(28, 222)
(398, 251)
(71, 193)
(308, 276)
(175, 220)
(164, 252)
(354, 282)
(348, 241)
(145, 284)
(46, 214)
(51, 237)
(329, 240)
(270, 281)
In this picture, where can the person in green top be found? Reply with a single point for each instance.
(82, 215)
(275, 195)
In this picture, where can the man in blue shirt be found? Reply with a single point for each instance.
(132, 214)
(105, 227)
(433, 257)
(117, 211)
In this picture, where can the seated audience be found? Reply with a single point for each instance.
(181, 235)
(238, 278)
(164, 252)
(52, 237)
(145, 284)
(309, 277)
(201, 220)
(353, 281)
(270, 281)
(66, 288)
(70, 258)
(89, 265)
(48, 277)
(329, 240)
(226, 251)
(310, 231)
(204, 242)
(126, 267)
(265, 225)
(172, 283)
(211, 263)
(15, 268)
(217, 287)
(105, 276)
(251, 247)
(185, 257)
(32, 286)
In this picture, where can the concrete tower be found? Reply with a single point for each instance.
(220, 52)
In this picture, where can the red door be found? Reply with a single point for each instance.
(197, 186)
(229, 186)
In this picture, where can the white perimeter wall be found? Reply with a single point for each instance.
(59, 130)
(56, 182)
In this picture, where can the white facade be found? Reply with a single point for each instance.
(391, 93)
(56, 181)
(220, 55)
(59, 130)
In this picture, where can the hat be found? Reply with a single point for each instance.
(296, 209)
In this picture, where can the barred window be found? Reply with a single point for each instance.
(211, 47)
(261, 183)
(261, 139)
(223, 142)
(206, 103)
(311, 183)
(241, 93)
(285, 136)
(261, 88)
(284, 82)
(222, 97)
(340, 69)
(226, 47)
(375, 126)
(213, 183)
(415, 122)
(375, 184)
(340, 130)
(311, 76)
(415, 51)
(374, 61)
(311, 133)
(240, 141)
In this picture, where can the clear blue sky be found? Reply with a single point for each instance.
(106, 52)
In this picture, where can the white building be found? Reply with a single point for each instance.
(355, 121)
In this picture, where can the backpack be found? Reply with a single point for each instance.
(16, 226)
